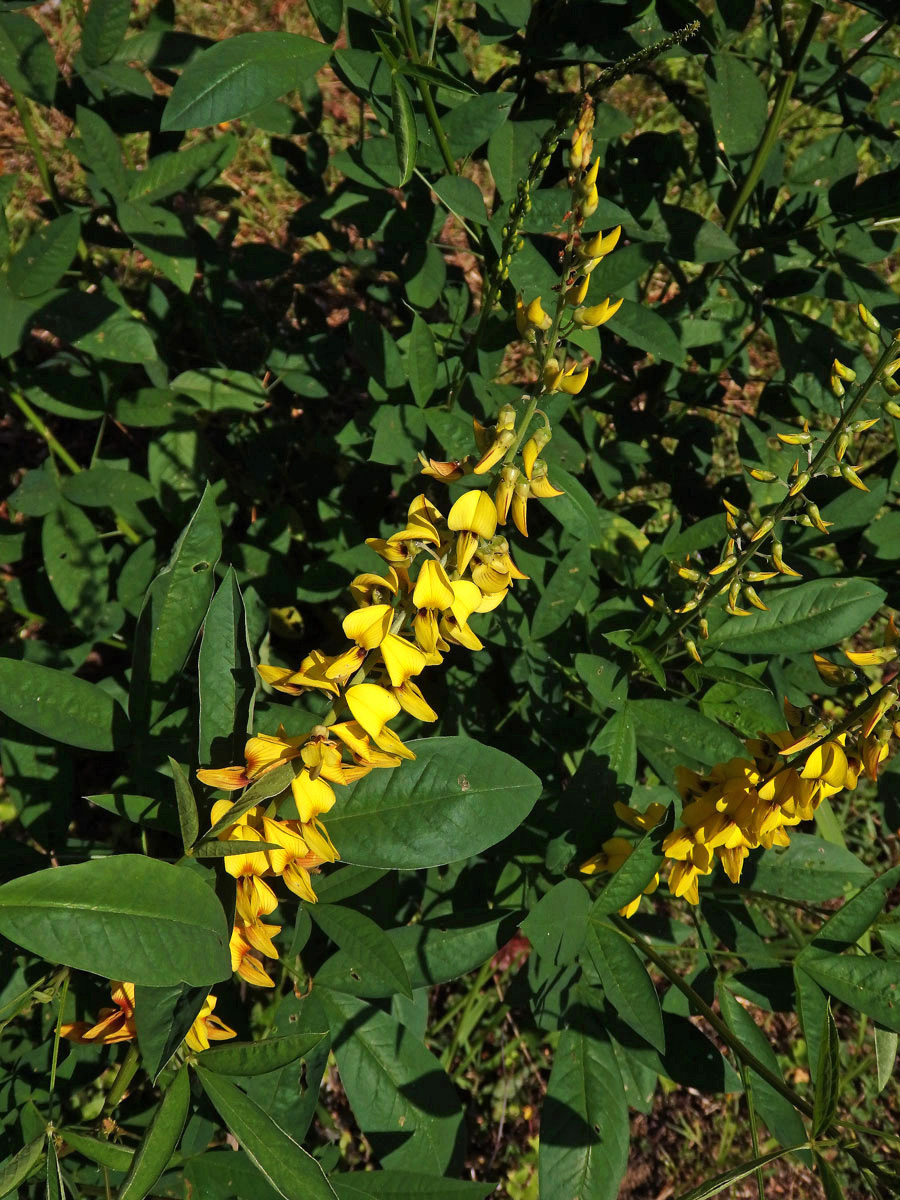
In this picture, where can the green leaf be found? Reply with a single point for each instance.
(76, 563)
(278, 1158)
(471, 123)
(851, 921)
(100, 152)
(224, 849)
(404, 1102)
(456, 799)
(737, 100)
(177, 170)
(868, 984)
(509, 149)
(643, 327)
(60, 706)
(563, 592)
(55, 1188)
(557, 925)
(161, 236)
(811, 1002)
(123, 917)
(160, 1141)
(434, 77)
(431, 952)
(810, 870)
(188, 818)
(227, 681)
(16, 1169)
(240, 74)
(173, 612)
(636, 872)
(406, 137)
(406, 1185)
(258, 1058)
(802, 618)
(828, 1078)
(27, 63)
(625, 980)
(463, 197)
(671, 735)
(712, 1187)
(886, 1042)
(329, 16)
(104, 30)
(831, 1186)
(220, 390)
(421, 361)
(98, 1150)
(584, 1125)
(40, 263)
(366, 943)
(605, 680)
(163, 1016)
(779, 1114)
(108, 487)
(273, 783)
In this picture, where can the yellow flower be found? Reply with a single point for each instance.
(311, 795)
(207, 1028)
(597, 314)
(473, 516)
(115, 1025)
(369, 588)
(519, 502)
(247, 938)
(373, 706)
(402, 659)
(537, 318)
(534, 446)
(310, 674)
(369, 626)
(412, 701)
(573, 380)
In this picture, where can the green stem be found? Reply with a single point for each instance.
(59, 1020)
(24, 110)
(39, 426)
(127, 1069)
(770, 133)
(723, 582)
(434, 120)
(57, 448)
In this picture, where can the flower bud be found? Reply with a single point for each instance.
(852, 478)
(504, 493)
(762, 529)
(576, 293)
(534, 446)
(843, 372)
(725, 565)
(799, 483)
(754, 599)
(536, 315)
(840, 446)
(762, 476)
(795, 439)
(871, 323)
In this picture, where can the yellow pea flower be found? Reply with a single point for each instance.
(472, 516)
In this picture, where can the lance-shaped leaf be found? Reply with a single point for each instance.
(123, 917)
(258, 1058)
(173, 612)
(365, 943)
(226, 677)
(159, 1142)
(61, 706)
(284, 1164)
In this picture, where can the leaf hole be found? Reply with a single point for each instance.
(200, 566)
(354, 975)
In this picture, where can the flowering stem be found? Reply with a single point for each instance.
(724, 581)
(539, 163)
